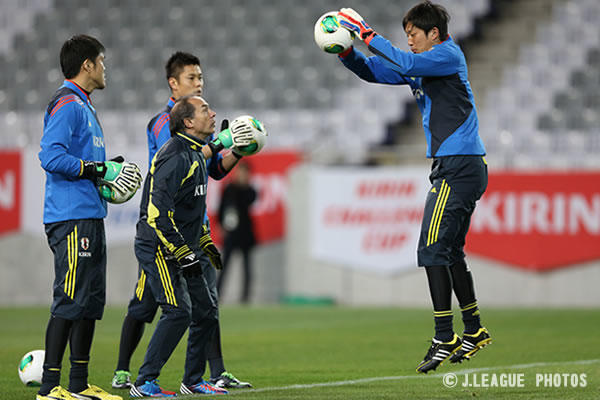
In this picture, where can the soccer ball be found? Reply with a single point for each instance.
(113, 195)
(330, 36)
(116, 196)
(31, 368)
(259, 134)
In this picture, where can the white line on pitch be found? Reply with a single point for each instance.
(416, 376)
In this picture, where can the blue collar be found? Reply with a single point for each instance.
(170, 103)
(77, 89)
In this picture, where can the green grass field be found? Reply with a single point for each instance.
(347, 353)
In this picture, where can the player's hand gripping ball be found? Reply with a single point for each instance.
(330, 36)
(124, 185)
(247, 125)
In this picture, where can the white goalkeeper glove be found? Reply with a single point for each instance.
(236, 134)
(124, 177)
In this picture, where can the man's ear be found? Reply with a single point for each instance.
(434, 34)
(87, 66)
(188, 123)
(172, 83)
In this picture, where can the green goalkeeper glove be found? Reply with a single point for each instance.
(124, 177)
(240, 134)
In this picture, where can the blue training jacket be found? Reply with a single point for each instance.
(72, 134)
(158, 134)
(439, 81)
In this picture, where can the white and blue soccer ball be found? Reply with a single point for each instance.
(31, 368)
(330, 36)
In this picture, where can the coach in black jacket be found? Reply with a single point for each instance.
(166, 245)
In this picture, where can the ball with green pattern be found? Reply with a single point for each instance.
(330, 36)
(31, 367)
(259, 138)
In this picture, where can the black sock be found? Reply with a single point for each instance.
(465, 293)
(470, 316)
(82, 334)
(57, 335)
(440, 288)
(131, 334)
(215, 356)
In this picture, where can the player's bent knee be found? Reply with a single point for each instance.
(178, 314)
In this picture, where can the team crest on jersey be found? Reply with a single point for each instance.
(85, 244)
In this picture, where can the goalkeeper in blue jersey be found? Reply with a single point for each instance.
(73, 157)
(184, 77)
(436, 71)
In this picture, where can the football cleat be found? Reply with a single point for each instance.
(227, 380)
(121, 379)
(438, 353)
(150, 389)
(57, 393)
(95, 393)
(471, 344)
(203, 387)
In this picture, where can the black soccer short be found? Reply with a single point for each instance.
(457, 183)
(79, 248)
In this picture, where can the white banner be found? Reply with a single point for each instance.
(367, 218)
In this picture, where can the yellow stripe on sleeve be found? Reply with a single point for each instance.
(139, 290)
(153, 214)
(190, 173)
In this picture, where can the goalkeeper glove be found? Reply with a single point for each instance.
(240, 134)
(209, 248)
(188, 262)
(92, 170)
(96, 169)
(217, 144)
(118, 158)
(124, 177)
(351, 20)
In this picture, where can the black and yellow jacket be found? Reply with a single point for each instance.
(174, 197)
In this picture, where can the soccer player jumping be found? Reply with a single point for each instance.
(436, 71)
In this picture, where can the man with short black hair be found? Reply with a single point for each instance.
(436, 71)
(73, 156)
